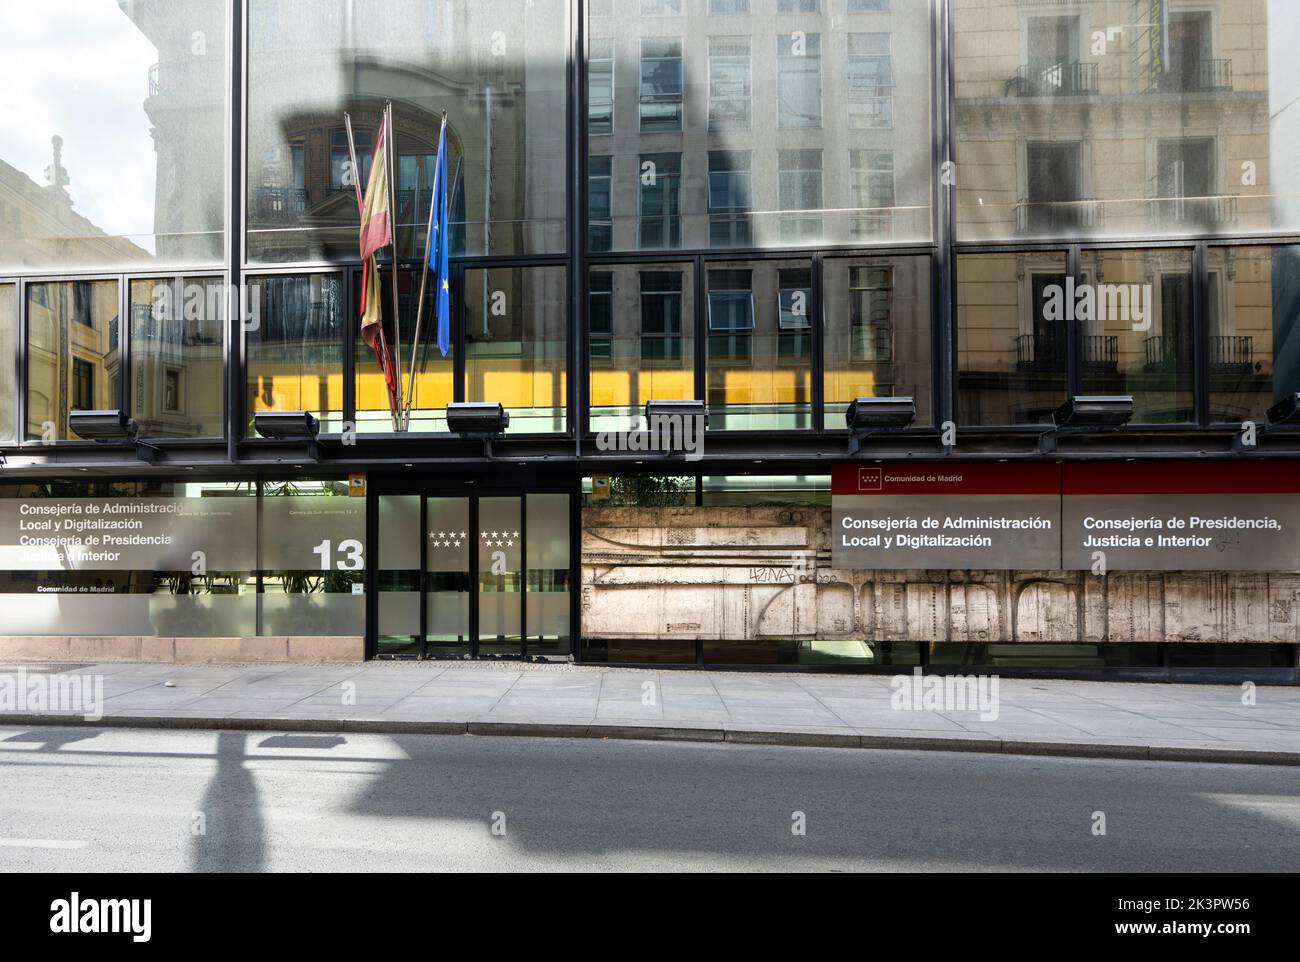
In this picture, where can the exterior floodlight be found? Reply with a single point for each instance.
(102, 425)
(286, 425)
(1084, 413)
(477, 418)
(108, 427)
(1094, 411)
(676, 409)
(290, 426)
(867, 415)
(1286, 411)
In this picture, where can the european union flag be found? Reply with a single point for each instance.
(440, 245)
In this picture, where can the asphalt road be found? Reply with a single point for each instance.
(116, 800)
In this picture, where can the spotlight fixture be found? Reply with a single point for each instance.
(111, 427)
(1286, 411)
(869, 415)
(679, 409)
(1085, 413)
(478, 419)
(1094, 411)
(289, 426)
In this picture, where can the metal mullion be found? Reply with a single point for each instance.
(459, 338)
(424, 575)
(1200, 297)
(20, 361)
(943, 267)
(1073, 337)
(349, 355)
(818, 360)
(235, 356)
(473, 576)
(372, 572)
(575, 568)
(123, 347)
(701, 328)
(578, 418)
(523, 574)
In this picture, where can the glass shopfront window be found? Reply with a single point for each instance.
(716, 131)
(1254, 330)
(111, 147)
(642, 322)
(1176, 125)
(1011, 349)
(73, 357)
(129, 559)
(877, 333)
(516, 323)
(294, 336)
(435, 377)
(1137, 338)
(8, 353)
(499, 69)
(313, 540)
(759, 364)
(177, 343)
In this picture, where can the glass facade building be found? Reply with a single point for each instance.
(772, 208)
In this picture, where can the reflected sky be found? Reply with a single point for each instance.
(79, 69)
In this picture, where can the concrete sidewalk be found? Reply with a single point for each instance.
(1037, 717)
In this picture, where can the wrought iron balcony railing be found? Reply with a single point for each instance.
(1053, 80)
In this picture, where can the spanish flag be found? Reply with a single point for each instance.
(376, 232)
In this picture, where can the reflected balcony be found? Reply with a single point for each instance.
(1203, 212)
(1059, 216)
(1196, 76)
(1231, 354)
(1053, 80)
(280, 204)
(1040, 353)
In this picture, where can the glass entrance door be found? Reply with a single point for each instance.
(478, 575)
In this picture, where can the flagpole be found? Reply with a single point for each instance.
(391, 149)
(424, 274)
(356, 182)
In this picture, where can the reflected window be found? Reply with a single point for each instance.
(758, 368)
(871, 81)
(661, 224)
(661, 84)
(800, 193)
(730, 86)
(600, 87)
(730, 198)
(1011, 358)
(516, 323)
(642, 343)
(177, 346)
(73, 356)
(600, 201)
(1136, 335)
(1254, 330)
(295, 350)
(877, 333)
(799, 80)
